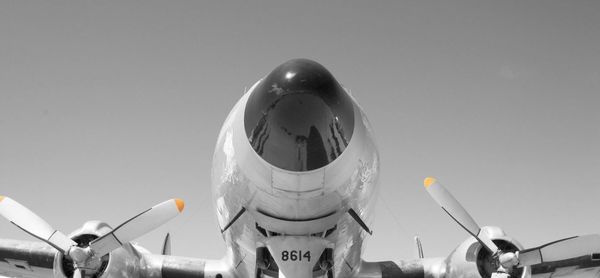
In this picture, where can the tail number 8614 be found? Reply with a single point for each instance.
(295, 256)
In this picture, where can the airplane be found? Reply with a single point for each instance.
(294, 179)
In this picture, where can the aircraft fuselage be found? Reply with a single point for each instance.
(294, 175)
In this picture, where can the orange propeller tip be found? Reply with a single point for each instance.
(180, 204)
(429, 181)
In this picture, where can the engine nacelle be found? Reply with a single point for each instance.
(471, 260)
(122, 262)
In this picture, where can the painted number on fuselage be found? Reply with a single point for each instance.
(295, 256)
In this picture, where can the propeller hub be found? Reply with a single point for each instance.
(81, 259)
(78, 254)
(508, 260)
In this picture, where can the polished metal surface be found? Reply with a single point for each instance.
(279, 200)
(472, 260)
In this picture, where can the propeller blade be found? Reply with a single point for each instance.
(453, 208)
(78, 273)
(563, 249)
(137, 226)
(34, 225)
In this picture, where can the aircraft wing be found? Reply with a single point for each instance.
(36, 260)
(574, 257)
(578, 266)
(495, 254)
(95, 250)
(26, 259)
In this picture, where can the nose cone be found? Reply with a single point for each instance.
(299, 118)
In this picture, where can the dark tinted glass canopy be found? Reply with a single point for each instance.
(298, 117)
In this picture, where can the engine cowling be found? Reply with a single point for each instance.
(122, 262)
(471, 260)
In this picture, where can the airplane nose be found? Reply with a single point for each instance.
(299, 118)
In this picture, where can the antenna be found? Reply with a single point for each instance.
(419, 247)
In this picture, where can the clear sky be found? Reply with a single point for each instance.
(109, 107)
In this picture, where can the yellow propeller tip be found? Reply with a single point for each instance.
(429, 181)
(1, 198)
(180, 204)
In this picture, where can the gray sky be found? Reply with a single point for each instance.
(109, 107)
